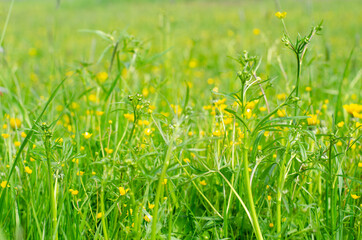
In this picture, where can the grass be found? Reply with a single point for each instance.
(149, 120)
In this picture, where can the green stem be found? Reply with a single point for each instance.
(104, 224)
(280, 189)
(53, 203)
(254, 217)
(297, 85)
(159, 188)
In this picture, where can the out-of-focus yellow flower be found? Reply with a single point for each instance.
(145, 92)
(280, 15)
(271, 225)
(281, 96)
(147, 131)
(312, 120)
(108, 150)
(4, 184)
(281, 113)
(340, 124)
(5, 135)
(203, 183)
(87, 135)
(217, 133)
(74, 192)
(353, 108)
(17, 144)
(186, 160)
(146, 218)
(15, 123)
(256, 31)
(164, 182)
(129, 116)
(308, 89)
(28, 170)
(59, 140)
(32, 52)
(80, 173)
(262, 109)
(150, 205)
(122, 191)
(5, 126)
(193, 63)
(99, 113)
(354, 196)
(102, 76)
(360, 164)
(269, 197)
(23, 135)
(99, 215)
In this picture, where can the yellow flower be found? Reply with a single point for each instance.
(146, 218)
(340, 124)
(59, 140)
(193, 63)
(164, 182)
(99, 215)
(23, 134)
(281, 96)
(353, 108)
(150, 205)
(186, 160)
(339, 144)
(87, 135)
(109, 151)
(354, 196)
(312, 120)
(262, 109)
(75, 160)
(217, 133)
(5, 135)
(32, 159)
(269, 197)
(32, 52)
(80, 173)
(93, 173)
(74, 192)
(281, 113)
(308, 89)
(145, 92)
(4, 184)
(271, 225)
(256, 31)
(99, 113)
(28, 170)
(92, 98)
(122, 191)
(129, 116)
(17, 144)
(360, 164)
(102, 76)
(5, 126)
(15, 123)
(280, 15)
(148, 131)
(203, 183)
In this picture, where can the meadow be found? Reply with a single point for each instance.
(158, 119)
